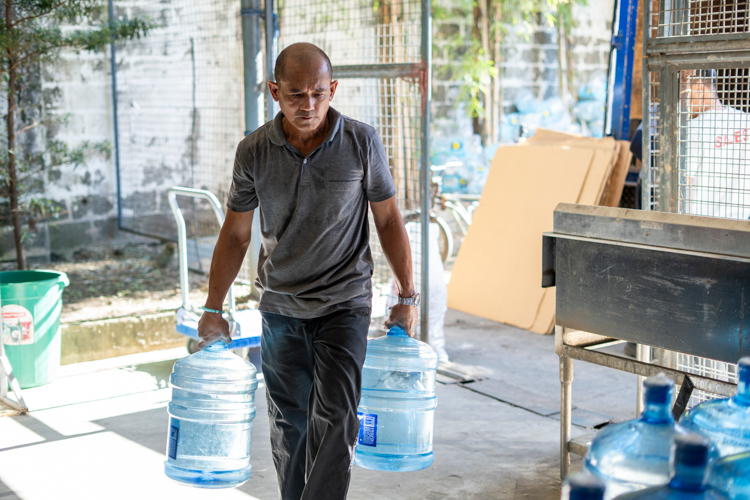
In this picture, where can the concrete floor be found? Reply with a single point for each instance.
(99, 431)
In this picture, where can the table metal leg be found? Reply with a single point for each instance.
(643, 354)
(566, 407)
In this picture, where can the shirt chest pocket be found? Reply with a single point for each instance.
(342, 198)
(343, 185)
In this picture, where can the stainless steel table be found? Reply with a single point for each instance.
(668, 281)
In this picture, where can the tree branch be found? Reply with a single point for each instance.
(40, 52)
(29, 127)
(37, 16)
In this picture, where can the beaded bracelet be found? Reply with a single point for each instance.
(210, 310)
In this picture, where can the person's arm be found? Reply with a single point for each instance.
(397, 250)
(226, 262)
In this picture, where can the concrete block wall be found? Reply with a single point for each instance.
(80, 86)
(529, 63)
(78, 89)
(158, 143)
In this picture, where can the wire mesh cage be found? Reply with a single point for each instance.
(714, 166)
(180, 101)
(367, 41)
(355, 31)
(699, 127)
(714, 143)
(683, 18)
(651, 190)
(391, 105)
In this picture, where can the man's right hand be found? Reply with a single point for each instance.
(212, 327)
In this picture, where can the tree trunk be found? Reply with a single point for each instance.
(11, 122)
(569, 62)
(561, 52)
(487, 134)
(497, 80)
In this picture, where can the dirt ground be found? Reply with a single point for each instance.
(124, 281)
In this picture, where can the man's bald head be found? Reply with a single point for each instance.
(302, 54)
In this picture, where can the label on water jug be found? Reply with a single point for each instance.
(368, 429)
(174, 435)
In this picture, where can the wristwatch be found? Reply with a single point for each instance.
(409, 301)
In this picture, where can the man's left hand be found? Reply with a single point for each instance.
(404, 316)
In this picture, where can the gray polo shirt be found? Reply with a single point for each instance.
(315, 250)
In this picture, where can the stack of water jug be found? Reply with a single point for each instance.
(213, 406)
(704, 456)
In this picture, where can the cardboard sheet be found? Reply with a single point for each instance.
(617, 179)
(497, 273)
(498, 270)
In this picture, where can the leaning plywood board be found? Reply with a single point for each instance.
(545, 316)
(605, 158)
(559, 139)
(498, 270)
(617, 179)
(593, 192)
(600, 171)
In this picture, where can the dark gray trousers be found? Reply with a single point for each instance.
(313, 375)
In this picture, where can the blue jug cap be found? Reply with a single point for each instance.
(398, 331)
(659, 389)
(585, 487)
(691, 449)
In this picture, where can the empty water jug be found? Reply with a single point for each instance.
(726, 422)
(690, 474)
(582, 486)
(731, 476)
(635, 454)
(398, 403)
(210, 419)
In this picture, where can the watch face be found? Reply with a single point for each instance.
(409, 301)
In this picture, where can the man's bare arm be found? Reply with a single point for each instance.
(395, 243)
(226, 262)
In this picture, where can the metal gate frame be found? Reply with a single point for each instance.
(665, 55)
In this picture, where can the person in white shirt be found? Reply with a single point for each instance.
(713, 149)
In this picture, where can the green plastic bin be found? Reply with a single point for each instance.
(31, 306)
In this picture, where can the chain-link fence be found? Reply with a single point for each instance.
(180, 99)
(180, 116)
(377, 50)
(698, 99)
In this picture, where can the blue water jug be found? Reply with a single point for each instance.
(726, 422)
(210, 418)
(635, 454)
(731, 476)
(689, 481)
(398, 403)
(582, 486)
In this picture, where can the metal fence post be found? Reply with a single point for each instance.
(425, 167)
(254, 79)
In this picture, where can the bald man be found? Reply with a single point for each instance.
(311, 174)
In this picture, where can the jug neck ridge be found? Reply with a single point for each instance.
(217, 346)
(657, 414)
